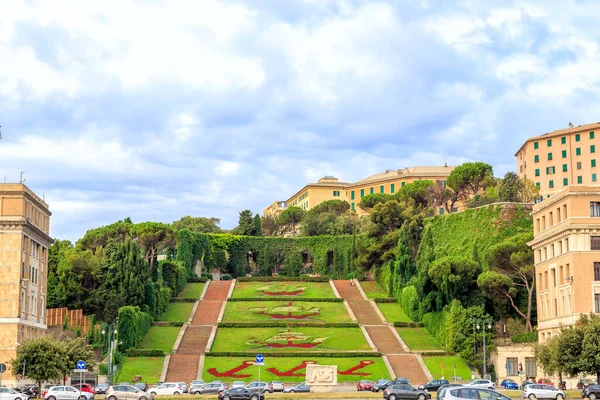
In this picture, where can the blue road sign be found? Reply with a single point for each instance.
(80, 364)
(260, 358)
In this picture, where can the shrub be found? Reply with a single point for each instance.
(288, 324)
(525, 337)
(384, 300)
(409, 324)
(133, 325)
(434, 354)
(347, 354)
(165, 323)
(410, 302)
(145, 353)
(195, 279)
(302, 278)
(183, 300)
(288, 298)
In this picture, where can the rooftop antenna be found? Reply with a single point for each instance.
(570, 124)
(22, 179)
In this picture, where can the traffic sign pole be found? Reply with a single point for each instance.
(2, 370)
(259, 361)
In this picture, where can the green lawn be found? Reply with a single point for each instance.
(273, 311)
(177, 312)
(192, 290)
(148, 367)
(161, 337)
(372, 290)
(374, 368)
(298, 339)
(277, 289)
(434, 364)
(393, 312)
(418, 339)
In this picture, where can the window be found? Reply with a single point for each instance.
(362, 193)
(441, 210)
(565, 181)
(577, 137)
(593, 148)
(549, 142)
(597, 302)
(563, 140)
(403, 183)
(381, 189)
(536, 145)
(564, 167)
(564, 154)
(594, 209)
(578, 164)
(530, 367)
(352, 195)
(550, 170)
(537, 184)
(549, 156)
(594, 178)
(551, 183)
(371, 190)
(392, 188)
(579, 179)
(578, 151)
(336, 193)
(595, 245)
(537, 172)
(593, 163)
(512, 366)
(597, 271)
(591, 134)
(352, 206)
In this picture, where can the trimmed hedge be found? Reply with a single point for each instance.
(433, 353)
(330, 354)
(183, 300)
(283, 279)
(132, 326)
(145, 353)
(196, 279)
(525, 337)
(409, 324)
(165, 323)
(384, 300)
(289, 298)
(288, 325)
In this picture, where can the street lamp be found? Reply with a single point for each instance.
(483, 322)
(111, 328)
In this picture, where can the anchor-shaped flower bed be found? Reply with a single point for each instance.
(292, 372)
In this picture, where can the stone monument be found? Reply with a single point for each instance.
(321, 378)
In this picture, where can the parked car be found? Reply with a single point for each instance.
(537, 391)
(85, 387)
(127, 392)
(301, 388)
(448, 385)
(465, 392)
(259, 387)
(509, 384)
(143, 386)
(45, 390)
(434, 385)
(364, 385)
(124, 383)
(404, 391)
(583, 383)
(380, 387)
(592, 391)
(210, 388)
(240, 393)
(400, 381)
(482, 383)
(238, 384)
(277, 386)
(544, 381)
(66, 393)
(183, 386)
(11, 394)
(166, 388)
(101, 388)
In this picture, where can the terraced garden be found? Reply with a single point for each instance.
(285, 311)
(192, 290)
(314, 290)
(161, 337)
(373, 290)
(418, 339)
(177, 312)
(393, 312)
(434, 365)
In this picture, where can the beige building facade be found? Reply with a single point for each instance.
(24, 242)
(561, 158)
(566, 248)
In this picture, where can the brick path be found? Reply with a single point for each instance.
(403, 364)
(183, 366)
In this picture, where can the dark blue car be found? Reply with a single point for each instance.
(509, 384)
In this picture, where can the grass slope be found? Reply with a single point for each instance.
(418, 339)
(373, 290)
(434, 365)
(161, 337)
(393, 312)
(192, 290)
(248, 311)
(309, 289)
(257, 339)
(177, 312)
(148, 367)
(376, 369)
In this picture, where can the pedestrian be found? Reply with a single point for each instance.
(351, 282)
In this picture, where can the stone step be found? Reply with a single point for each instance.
(408, 366)
(183, 368)
(194, 340)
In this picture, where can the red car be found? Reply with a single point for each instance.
(364, 385)
(85, 387)
(544, 381)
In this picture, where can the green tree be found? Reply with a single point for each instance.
(511, 267)
(245, 223)
(371, 200)
(547, 355)
(257, 226)
(455, 277)
(74, 350)
(198, 224)
(469, 178)
(153, 237)
(269, 225)
(290, 218)
(529, 192)
(420, 191)
(100, 237)
(510, 187)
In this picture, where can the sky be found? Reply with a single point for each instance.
(158, 109)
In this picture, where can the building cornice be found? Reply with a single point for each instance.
(28, 228)
(34, 199)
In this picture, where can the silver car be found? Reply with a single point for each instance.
(9, 394)
(482, 383)
(469, 392)
(67, 393)
(238, 384)
(537, 391)
(277, 386)
(210, 388)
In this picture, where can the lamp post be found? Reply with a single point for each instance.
(111, 328)
(483, 322)
(473, 319)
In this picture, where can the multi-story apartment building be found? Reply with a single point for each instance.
(330, 188)
(24, 242)
(561, 158)
(566, 248)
